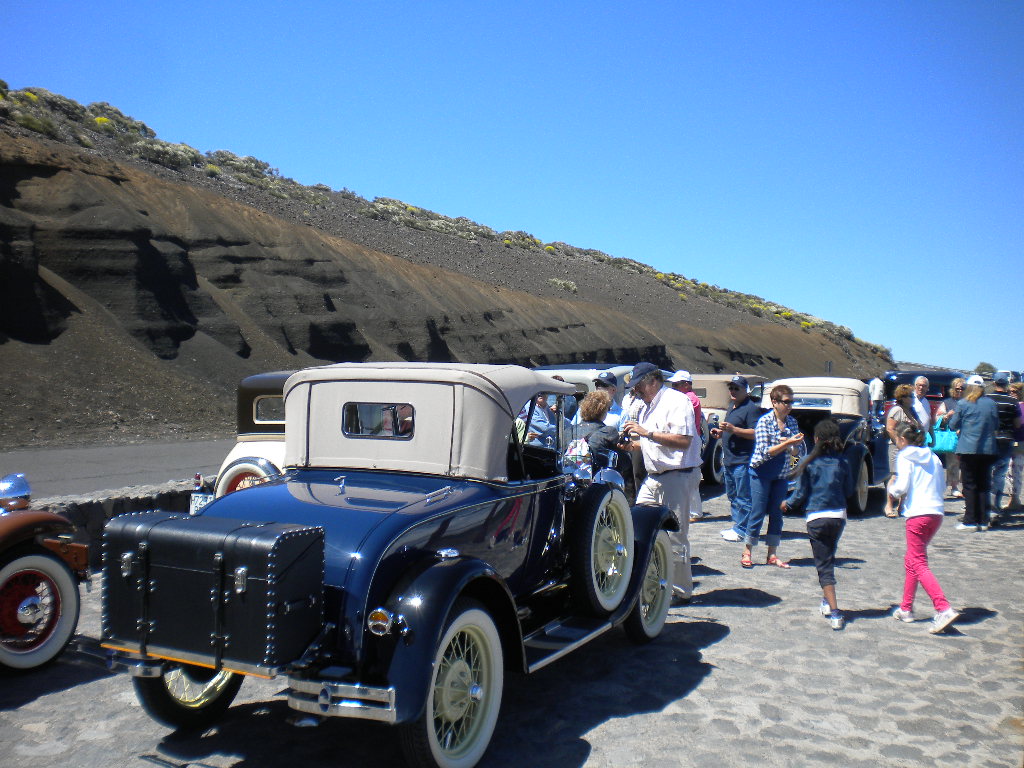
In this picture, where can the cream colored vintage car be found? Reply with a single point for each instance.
(865, 444)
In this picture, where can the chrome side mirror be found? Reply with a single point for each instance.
(15, 491)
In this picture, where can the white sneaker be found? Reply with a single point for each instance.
(730, 535)
(825, 610)
(942, 620)
(837, 620)
(965, 527)
(900, 615)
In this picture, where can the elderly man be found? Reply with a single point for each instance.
(922, 408)
(1009, 421)
(666, 434)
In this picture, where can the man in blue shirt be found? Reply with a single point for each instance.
(737, 435)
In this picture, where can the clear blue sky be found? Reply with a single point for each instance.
(859, 161)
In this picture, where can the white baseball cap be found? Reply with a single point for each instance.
(680, 376)
(975, 380)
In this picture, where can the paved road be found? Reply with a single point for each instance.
(73, 471)
(749, 674)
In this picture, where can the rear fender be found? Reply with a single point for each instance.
(424, 604)
(17, 528)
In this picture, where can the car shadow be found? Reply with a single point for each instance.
(851, 563)
(555, 707)
(77, 665)
(737, 597)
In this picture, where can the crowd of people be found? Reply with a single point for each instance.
(768, 470)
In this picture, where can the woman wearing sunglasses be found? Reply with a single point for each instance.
(777, 436)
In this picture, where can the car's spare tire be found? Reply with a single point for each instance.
(244, 473)
(601, 550)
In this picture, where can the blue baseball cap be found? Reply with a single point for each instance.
(606, 378)
(639, 371)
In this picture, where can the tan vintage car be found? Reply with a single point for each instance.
(865, 443)
(712, 389)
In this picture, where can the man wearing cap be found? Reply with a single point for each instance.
(922, 408)
(1009, 421)
(736, 432)
(666, 434)
(606, 380)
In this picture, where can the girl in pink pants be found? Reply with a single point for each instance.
(920, 479)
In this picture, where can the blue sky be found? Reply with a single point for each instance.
(859, 161)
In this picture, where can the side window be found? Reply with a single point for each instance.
(544, 423)
(389, 421)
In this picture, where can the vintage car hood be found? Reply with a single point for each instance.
(360, 511)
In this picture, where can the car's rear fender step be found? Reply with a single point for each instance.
(555, 640)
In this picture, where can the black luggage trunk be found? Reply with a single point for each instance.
(225, 593)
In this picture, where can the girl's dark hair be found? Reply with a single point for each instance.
(911, 432)
(826, 441)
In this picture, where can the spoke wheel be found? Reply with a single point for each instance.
(39, 607)
(186, 696)
(601, 553)
(647, 618)
(465, 694)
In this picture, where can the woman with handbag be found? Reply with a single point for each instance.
(901, 413)
(976, 420)
(949, 458)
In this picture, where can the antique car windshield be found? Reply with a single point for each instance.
(389, 421)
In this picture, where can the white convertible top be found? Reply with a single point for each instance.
(464, 414)
(828, 393)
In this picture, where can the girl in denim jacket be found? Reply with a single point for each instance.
(823, 483)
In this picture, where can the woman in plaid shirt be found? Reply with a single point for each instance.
(776, 437)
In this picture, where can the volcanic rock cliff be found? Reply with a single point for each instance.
(133, 297)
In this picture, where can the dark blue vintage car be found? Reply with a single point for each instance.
(425, 537)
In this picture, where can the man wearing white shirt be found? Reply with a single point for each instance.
(665, 433)
(922, 408)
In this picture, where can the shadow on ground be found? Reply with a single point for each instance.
(555, 707)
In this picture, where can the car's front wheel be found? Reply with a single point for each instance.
(39, 605)
(464, 695)
(647, 618)
(186, 696)
(857, 504)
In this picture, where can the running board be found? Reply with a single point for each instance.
(555, 640)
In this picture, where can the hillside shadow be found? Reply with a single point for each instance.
(555, 707)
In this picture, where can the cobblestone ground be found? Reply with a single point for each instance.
(748, 673)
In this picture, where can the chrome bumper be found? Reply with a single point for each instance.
(333, 699)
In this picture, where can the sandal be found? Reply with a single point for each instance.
(892, 513)
(773, 560)
(745, 560)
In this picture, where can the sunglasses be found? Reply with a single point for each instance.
(785, 402)
(733, 388)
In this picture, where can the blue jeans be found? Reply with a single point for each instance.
(999, 468)
(737, 489)
(767, 492)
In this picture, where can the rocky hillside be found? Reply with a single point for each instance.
(139, 280)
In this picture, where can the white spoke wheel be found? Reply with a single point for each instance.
(601, 551)
(244, 473)
(857, 504)
(39, 607)
(464, 695)
(186, 696)
(647, 618)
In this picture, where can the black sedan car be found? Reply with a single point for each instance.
(420, 542)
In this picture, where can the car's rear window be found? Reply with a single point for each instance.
(389, 421)
(268, 409)
(812, 402)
